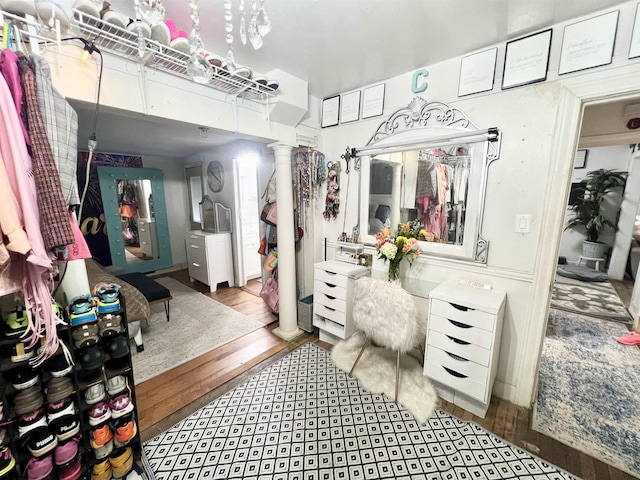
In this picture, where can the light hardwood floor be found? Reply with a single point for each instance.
(170, 397)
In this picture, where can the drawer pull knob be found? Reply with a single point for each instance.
(330, 273)
(460, 307)
(196, 264)
(459, 324)
(454, 373)
(458, 341)
(329, 297)
(195, 246)
(457, 357)
(329, 308)
(193, 236)
(330, 285)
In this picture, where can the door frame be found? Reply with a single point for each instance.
(613, 84)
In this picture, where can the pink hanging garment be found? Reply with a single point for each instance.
(79, 249)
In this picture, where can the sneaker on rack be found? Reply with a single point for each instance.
(100, 436)
(94, 394)
(121, 405)
(59, 366)
(20, 352)
(121, 462)
(24, 377)
(109, 324)
(91, 358)
(31, 421)
(40, 468)
(28, 400)
(65, 426)
(102, 471)
(115, 385)
(41, 441)
(82, 310)
(16, 322)
(60, 408)
(7, 462)
(66, 451)
(99, 413)
(59, 388)
(107, 297)
(118, 346)
(126, 429)
(71, 471)
(104, 451)
(85, 335)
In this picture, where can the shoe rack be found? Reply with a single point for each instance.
(82, 380)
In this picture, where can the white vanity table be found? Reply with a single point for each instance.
(210, 258)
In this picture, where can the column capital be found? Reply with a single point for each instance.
(281, 147)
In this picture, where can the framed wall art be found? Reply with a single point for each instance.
(373, 101)
(350, 107)
(634, 49)
(330, 111)
(477, 71)
(581, 159)
(588, 43)
(527, 60)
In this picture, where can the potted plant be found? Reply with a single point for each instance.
(588, 210)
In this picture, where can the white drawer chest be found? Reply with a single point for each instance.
(148, 238)
(463, 343)
(210, 258)
(332, 298)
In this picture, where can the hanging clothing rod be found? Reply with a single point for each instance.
(307, 141)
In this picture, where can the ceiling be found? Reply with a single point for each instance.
(335, 45)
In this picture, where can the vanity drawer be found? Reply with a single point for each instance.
(456, 380)
(330, 277)
(194, 239)
(474, 335)
(458, 364)
(198, 271)
(330, 289)
(197, 255)
(459, 347)
(330, 301)
(328, 312)
(476, 318)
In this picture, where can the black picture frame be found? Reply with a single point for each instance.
(540, 69)
(580, 161)
(330, 112)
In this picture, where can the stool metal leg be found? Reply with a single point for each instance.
(364, 345)
(166, 310)
(397, 376)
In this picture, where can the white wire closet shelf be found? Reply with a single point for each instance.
(125, 43)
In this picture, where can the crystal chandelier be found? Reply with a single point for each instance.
(198, 68)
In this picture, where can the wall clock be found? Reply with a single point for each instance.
(215, 176)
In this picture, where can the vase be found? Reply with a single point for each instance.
(394, 272)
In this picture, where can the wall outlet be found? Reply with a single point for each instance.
(523, 223)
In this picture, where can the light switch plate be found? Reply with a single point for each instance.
(523, 223)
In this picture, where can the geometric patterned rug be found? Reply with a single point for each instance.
(588, 389)
(594, 300)
(303, 418)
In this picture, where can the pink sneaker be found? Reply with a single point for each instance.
(39, 468)
(66, 451)
(99, 413)
(72, 471)
(632, 338)
(121, 405)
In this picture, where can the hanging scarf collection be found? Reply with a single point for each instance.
(332, 201)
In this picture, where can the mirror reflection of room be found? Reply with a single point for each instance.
(433, 185)
(135, 205)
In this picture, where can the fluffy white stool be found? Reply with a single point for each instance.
(388, 316)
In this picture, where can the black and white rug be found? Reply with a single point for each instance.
(304, 418)
(594, 300)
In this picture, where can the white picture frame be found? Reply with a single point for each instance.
(580, 161)
(373, 101)
(634, 48)
(526, 59)
(330, 111)
(350, 107)
(477, 72)
(589, 43)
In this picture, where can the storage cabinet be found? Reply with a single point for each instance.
(210, 258)
(463, 343)
(332, 298)
(148, 238)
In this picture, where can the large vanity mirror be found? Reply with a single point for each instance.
(427, 165)
(136, 218)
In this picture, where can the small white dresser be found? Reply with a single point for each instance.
(332, 298)
(148, 238)
(210, 258)
(463, 343)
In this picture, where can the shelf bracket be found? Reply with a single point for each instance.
(234, 104)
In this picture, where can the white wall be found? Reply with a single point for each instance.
(529, 178)
(175, 193)
(610, 158)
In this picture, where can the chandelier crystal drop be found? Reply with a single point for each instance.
(262, 20)
(198, 67)
(228, 26)
(243, 23)
(152, 11)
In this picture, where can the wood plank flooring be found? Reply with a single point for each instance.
(168, 398)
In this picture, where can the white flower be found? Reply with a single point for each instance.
(389, 250)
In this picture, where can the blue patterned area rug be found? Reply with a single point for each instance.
(588, 395)
(598, 300)
(303, 418)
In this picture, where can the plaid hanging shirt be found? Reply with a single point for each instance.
(54, 218)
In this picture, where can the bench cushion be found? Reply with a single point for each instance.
(151, 289)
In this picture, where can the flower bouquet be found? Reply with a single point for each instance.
(395, 248)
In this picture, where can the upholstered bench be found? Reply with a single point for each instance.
(152, 290)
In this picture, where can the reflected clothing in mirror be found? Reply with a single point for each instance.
(135, 205)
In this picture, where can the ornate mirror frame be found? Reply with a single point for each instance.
(423, 125)
(108, 177)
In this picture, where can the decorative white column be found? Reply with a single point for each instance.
(288, 318)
